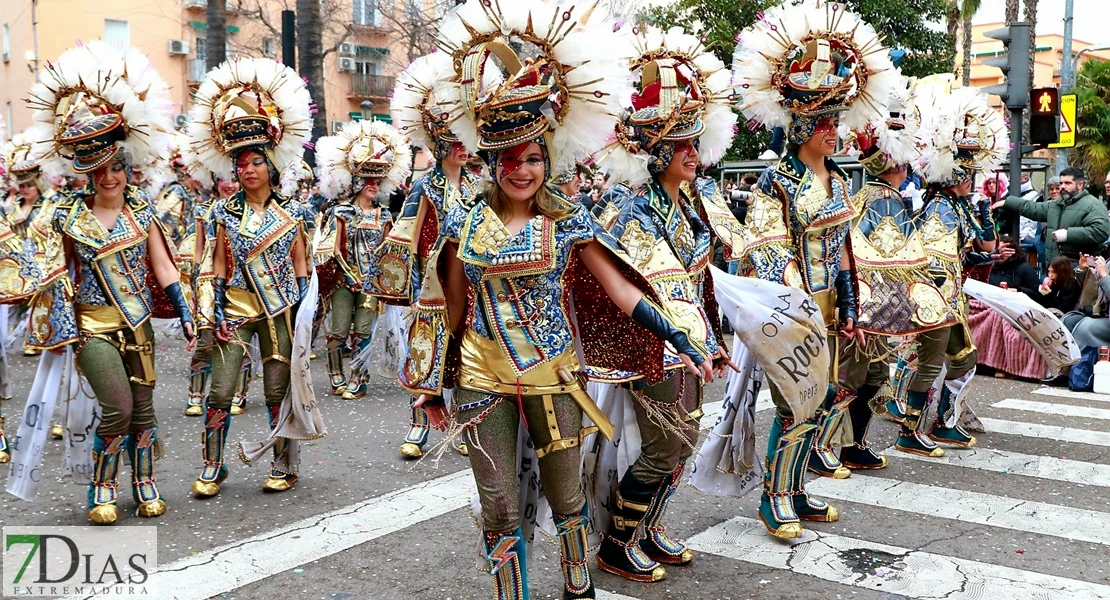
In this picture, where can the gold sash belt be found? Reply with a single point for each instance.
(106, 323)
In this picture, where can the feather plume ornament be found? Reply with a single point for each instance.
(936, 133)
(706, 80)
(19, 149)
(416, 110)
(97, 78)
(292, 176)
(959, 129)
(852, 73)
(894, 135)
(259, 87)
(569, 44)
(362, 149)
(190, 162)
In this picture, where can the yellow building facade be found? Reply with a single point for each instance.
(368, 39)
(1047, 62)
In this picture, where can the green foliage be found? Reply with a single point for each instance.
(903, 22)
(1092, 143)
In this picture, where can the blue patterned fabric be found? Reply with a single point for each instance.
(364, 233)
(262, 248)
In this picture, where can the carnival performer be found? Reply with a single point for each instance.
(359, 168)
(174, 202)
(253, 116)
(800, 67)
(115, 248)
(402, 259)
(897, 295)
(200, 366)
(684, 93)
(957, 234)
(495, 317)
(25, 220)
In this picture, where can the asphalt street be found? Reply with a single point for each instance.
(1026, 514)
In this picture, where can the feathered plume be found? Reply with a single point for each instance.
(97, 78)
(765, 51)
(584, 54)
(292, 177)
(267, 85)
(337, 157)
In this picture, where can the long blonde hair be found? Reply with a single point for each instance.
(548, 201)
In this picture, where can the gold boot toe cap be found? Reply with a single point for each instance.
(842, 473)
(278, 484)
(206, 489)
(104, 514)
(4, 457)
(154, 508)
(410, 450)
(236, 410)
(194, 410)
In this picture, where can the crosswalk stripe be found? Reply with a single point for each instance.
(1015, 463)
(214, 572)
(1066, 393)
(1066, 410)
(969, 507)
(889, 569)
(1050, 432)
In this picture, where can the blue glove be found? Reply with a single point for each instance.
(302, 286)
(653, 321)
(846, 297)
(986, 219)
(177, 298)
(220, 296)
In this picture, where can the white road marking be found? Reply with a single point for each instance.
(214, 572)
(1066, 393)
(969, 507)
(235, 565)
(1015, 463)
(1050, 432)
(886, 568)
(1066, 410)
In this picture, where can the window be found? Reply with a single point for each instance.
(367, 67)
(7, 44)
(117, 33)
(413, 11)
(269, 47)
(366, 13)
(202, 49)
(8, 110)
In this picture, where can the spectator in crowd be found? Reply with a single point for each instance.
(1076, 223)
(993, 190)
(1087, 330)
(1060, 290)
(1026, 226)
(1052, 189)
(1015, 271)
(1106, 187)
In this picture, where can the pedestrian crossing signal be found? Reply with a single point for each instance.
(1044, 126)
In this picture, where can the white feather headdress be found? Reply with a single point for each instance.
(97, 78)
(578, 45)
(766, 51)
(959, 129)
(895, 136)
(413, 104)
(343, 156)
(255, 87)
(293, 175)
(622, 158)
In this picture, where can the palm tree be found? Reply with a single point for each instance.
(1011, 10)
(968, 8)
(1092, 144)
(215, 39)
(952, 16)
(310, 62)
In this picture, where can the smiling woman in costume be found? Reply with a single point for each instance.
(802, 67)
(519, 269)
(116, 248)
(251, 117)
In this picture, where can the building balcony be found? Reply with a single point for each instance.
(197, 70)
(233, 6)
(371, 86)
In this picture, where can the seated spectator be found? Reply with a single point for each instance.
(1060, 290)
(1015, 272)
(1087, 330)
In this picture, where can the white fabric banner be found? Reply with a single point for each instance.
(1043, 329)
(27, 448)
(728, 464)
(300, 417)
(784, 330)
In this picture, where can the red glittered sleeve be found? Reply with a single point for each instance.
(610, 338)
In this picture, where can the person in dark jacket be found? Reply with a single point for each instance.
(1016, 272)
(1061, 289)
(1077, 222)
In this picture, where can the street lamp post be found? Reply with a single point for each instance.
(367, 110)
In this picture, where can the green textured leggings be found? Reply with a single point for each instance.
(347, 309)
(227, 360)
(127, 405)
(664, 447)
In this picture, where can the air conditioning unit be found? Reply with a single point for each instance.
(346, 64)
(337, 126)
(179, 48)
(180, 121)
(346, 49)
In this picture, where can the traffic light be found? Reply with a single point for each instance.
(1044, 121)
(1014, 64)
